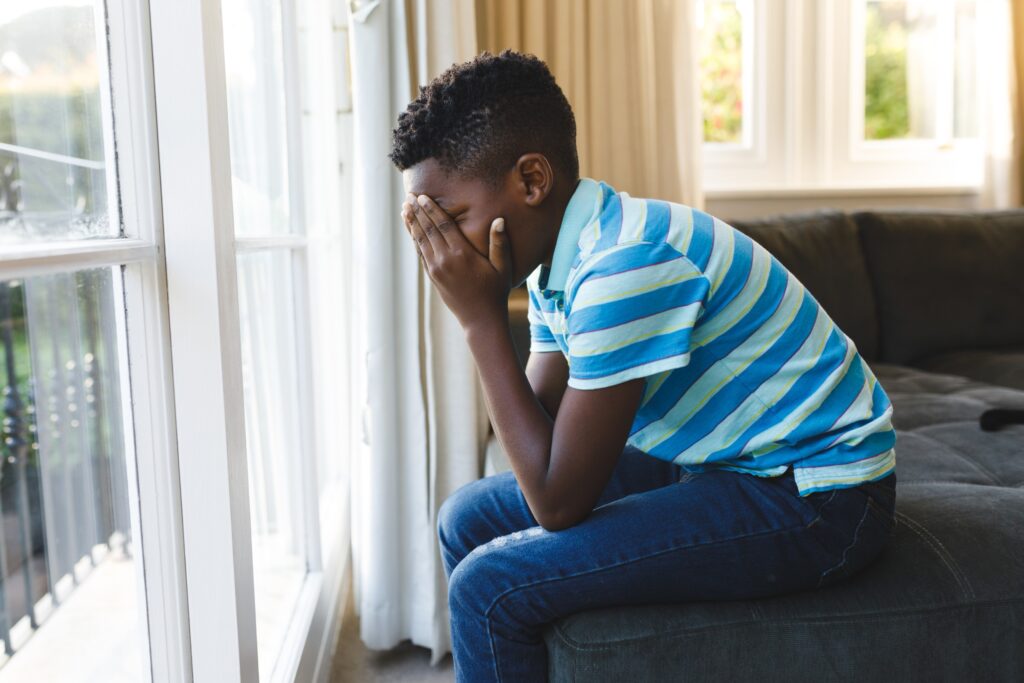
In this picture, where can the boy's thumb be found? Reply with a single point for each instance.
(499, 253)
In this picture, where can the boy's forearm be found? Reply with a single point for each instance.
(523, 426)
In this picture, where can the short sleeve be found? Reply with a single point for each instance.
(541, 338)
(631, 311)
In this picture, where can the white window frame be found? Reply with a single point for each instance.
(760, 154)
(195, 177)
(810, 93)
(141, 326)
(179, 346)
(201, 256)
(945, 161)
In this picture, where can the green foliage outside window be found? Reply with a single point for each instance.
(885, 72)
(721, 75)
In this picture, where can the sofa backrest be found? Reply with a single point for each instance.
(945, 280)
(821, 248)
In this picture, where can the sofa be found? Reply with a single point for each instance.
(934, 301)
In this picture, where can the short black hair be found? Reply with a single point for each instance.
(478, 117)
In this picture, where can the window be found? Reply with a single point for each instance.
(726, 55)
(68, 549)
(840, 94)
(81, 561)
(168, 285)
(288, 246)
(915, 86)
(271, 253)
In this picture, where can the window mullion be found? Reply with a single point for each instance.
(202, 288)
(300, 273)
(36, 258)
(945, 60)
(149, 417)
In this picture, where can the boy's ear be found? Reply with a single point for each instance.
(535, 177)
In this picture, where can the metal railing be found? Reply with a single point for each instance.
(63, 481)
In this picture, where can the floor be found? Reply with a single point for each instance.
(405, 663)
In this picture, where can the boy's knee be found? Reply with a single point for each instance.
(451, 512)
(471, 582)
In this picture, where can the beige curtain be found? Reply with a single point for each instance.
(629, 72)
(999, 92)
(1015, 178)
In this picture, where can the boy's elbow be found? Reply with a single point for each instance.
(561, 519)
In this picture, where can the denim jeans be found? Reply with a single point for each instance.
(657, 534)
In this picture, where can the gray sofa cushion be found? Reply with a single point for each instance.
(1001, 366)
(945, 280)
(822, 249)
(944, 601)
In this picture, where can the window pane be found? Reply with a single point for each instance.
(259, 154)
(721, 69)
(68, 553)
(965, 112)
(919, 69)
(273, 440)
(53, 165)
(332, 351)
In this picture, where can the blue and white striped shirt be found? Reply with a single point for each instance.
(743, 368)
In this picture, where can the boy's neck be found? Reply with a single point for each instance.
(559, 207)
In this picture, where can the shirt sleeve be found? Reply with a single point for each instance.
(541, 338)
(631, 311)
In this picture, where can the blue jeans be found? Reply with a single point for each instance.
(658, 534)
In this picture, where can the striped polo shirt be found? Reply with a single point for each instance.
(743, 369)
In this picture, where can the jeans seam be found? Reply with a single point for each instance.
(821, 510)
(508, 591)
(881, 513)
(635, 558)
(842, 559)
(494, 658)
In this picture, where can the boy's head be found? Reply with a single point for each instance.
(494, 136)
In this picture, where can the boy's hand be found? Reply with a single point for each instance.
(475, 288)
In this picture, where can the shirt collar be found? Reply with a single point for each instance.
(584, 206)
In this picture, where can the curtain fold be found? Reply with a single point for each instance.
(1001, 75)
(1001, 66)
(424, 420)
(629, 70)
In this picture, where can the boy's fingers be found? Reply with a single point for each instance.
(425, 233)
(499, 251)
(441, 220)
(422, 243)
(437, 233)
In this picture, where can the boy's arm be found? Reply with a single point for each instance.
(562, 465)
(548, 374)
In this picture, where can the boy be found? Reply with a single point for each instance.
(691, 424)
